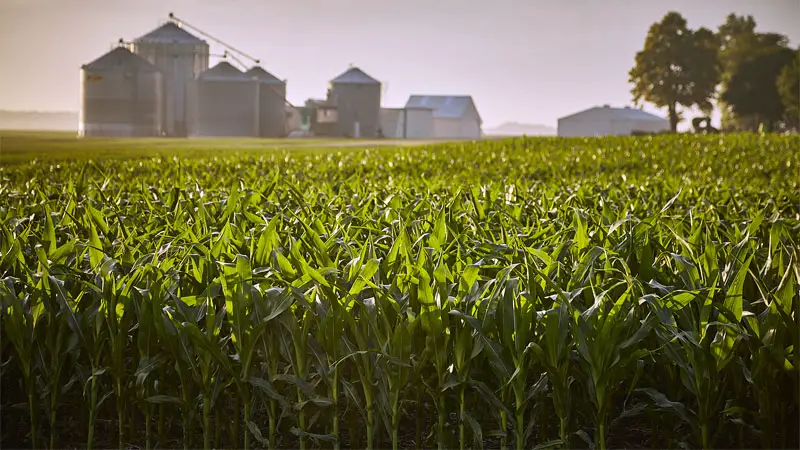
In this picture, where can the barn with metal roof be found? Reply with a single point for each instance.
(454, 116)
(608, 121)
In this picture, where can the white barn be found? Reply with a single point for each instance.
(607, 121)
(454, 116)
(407, 123)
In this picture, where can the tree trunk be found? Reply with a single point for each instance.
(673, 117)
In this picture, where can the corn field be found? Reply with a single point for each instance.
(525, 293)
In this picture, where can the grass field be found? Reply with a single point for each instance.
(22, 146)
(519, 293)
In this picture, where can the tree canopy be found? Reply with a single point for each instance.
(739, 43)
(677, 67)
(788, 85)
(753, 88)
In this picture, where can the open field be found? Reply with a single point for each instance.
(22, 146)
(606, 293)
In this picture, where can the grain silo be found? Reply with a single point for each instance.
(357, 97)
(120, 96)
(223, 102)
(181, 56)
(272, 103)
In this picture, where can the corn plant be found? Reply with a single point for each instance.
(535, 293)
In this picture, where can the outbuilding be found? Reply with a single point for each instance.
(454, 116)
(608, 121)
(407, 123)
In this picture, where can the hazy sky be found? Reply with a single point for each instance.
(523, 60)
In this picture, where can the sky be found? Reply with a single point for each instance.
(522, 60)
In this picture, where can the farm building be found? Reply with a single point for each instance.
(357, 97)
(454, 116)
(121, 95)
(223, 102)
(180, 56)
(607, 121)
(407, 123)
(272, 103)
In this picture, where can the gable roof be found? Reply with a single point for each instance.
(263, 76)
(120, 57)
(354, 75)
(626, 113)
(444, 106)
(169, 33)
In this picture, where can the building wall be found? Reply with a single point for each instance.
(120, 103)
(607, 122)
(294, 120)
(272, 110)
(392, 123)
(179, 64)
(464, 128)
(413, 123)
(357, 103)
(223, 108)
(420, 124)
(607, 126)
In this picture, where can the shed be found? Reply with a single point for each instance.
(407, 123)
(454, 116)
(609, 121)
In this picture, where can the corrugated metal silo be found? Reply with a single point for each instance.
(120, 96)
(358, 99)
(181, 56)
(272, 103)
(223, 102)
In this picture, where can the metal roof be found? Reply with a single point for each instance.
(263, 76)
(169, 33)
(626, 113)
(120, 57)
(223, 71)
(354, 75)
(443, 106)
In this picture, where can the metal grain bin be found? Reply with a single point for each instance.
(181, 57)
(120, 96)
(272, 103)
(357, 97)
(223, 102)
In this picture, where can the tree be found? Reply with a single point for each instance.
(676, 67)
(738, 43)
(788, 85)
(753, 88)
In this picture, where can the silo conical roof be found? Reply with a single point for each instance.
(223, 71)
(354, 75)
(263, 76)
(169, 33)
(120, 56)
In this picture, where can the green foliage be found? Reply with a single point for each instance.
(605, 293)
(789, 89)
(753, 88)
(740, 45)
(676, 67)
